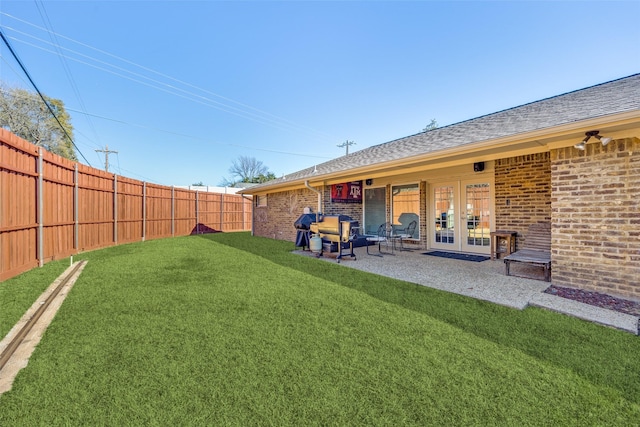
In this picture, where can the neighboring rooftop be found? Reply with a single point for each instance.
(212, 189)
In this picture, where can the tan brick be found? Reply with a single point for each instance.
(595, 218)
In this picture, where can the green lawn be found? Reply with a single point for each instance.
(229, 329)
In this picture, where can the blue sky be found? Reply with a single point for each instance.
(182, 88)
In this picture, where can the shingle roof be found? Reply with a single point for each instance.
(613, 97)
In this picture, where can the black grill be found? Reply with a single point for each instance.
(303, 224)
(304, 221)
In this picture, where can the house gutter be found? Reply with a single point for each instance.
(319, 193)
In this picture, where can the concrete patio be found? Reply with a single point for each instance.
(484, 280)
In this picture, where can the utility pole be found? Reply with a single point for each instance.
(106, 152)
(347, 144)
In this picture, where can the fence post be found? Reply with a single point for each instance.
(115, 209)
(172, 209)
(221, 212)
(75, 207)
(2, 187)
(144, 210)
(197, 218)
(40, 210)
(243, 213)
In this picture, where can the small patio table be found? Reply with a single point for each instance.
(510, 241)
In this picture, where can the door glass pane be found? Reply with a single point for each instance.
(444, 215)
(405, 207)
(374, 209)
(478, 215)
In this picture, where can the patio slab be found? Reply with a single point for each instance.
(484, 280)
(603, 316)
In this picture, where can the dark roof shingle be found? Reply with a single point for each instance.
(604, 99)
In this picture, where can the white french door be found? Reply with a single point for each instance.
(444, 201)
(462, 216)
(476, 205)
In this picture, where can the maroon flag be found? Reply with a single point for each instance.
(348, 192)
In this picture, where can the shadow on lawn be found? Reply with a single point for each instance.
(561, 340)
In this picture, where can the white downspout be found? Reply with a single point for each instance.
(253, 208)
(319, 193)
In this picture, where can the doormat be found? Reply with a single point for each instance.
(452, 255)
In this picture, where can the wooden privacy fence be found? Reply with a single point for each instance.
(51, 207)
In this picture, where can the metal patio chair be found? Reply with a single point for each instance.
(384, 235)
(406, 233)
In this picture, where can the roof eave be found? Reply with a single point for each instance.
(539, 140)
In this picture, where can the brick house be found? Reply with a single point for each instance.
(503, 171)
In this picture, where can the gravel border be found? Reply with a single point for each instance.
(596, 299)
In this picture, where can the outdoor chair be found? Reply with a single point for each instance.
(406, 233)
(383, 235)
(536, 249)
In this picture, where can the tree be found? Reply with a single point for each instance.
(264, 178)
(23, 113)
(431, 126)
(198, 184)
(247, 170)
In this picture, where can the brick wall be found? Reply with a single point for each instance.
(354, 210)
(596, 217)
(276, 219)
(522, 192)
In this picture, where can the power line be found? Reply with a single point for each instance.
(65, 64)
(239, 109)
(18, 74)
(198, 138)
(24, 70)
(172, 90)
(184, 94)
(256, 114)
